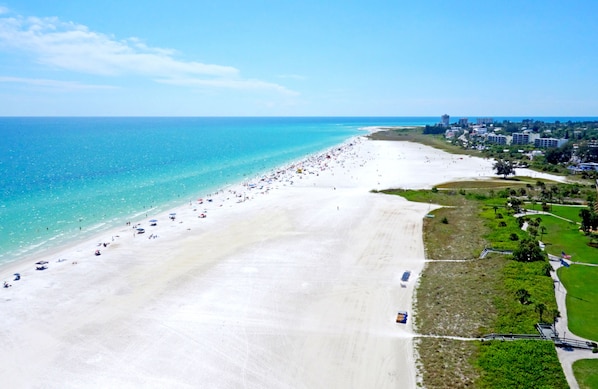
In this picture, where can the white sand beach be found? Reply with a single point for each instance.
(297, 287)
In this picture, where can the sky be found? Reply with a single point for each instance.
(298, 58)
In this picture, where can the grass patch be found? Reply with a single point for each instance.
(461, 237)
(520, 364)
(483, 184)
(457, 298)
(415, 134)
(586, 373)
(500, 229)
(522, 318)
(448, 363)
(567, 211)
(476, 297)
(564, 236)
(582, 299)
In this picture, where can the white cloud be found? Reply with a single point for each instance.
(73, 47)
(229, 84)
(70, 85)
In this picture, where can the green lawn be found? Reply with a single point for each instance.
(568, 212)
(582, 299)
(586, 373)
(564, 236)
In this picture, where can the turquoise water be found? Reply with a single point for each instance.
(65, 178)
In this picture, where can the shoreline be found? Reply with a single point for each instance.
(162, 209)
(248, 295)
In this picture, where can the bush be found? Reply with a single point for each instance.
(514, 236)
(444, 220)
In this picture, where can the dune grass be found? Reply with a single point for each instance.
(473, 297)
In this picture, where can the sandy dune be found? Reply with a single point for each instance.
(298, 287)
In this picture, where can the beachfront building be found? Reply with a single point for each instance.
(549, 142)
(524, 138)
(464, 122)
(444, 120)
(497, 138)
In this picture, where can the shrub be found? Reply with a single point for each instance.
(444, 220)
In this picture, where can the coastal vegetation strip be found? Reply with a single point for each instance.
(461, 295)
(445, 238)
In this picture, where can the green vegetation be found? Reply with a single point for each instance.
(565, 211)
(476, 297)
(504, 167)
(448, 363)
(472, 297)
(582, 299)
(586, 372)
(562, 236)
(520, 364)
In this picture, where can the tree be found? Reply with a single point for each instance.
(504, 167)
(589, 219)
(523, 296)
(540, 309)
(542, 231)
(528, 251)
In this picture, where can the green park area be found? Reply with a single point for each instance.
(582, 299)
(586, 372)
(461, 295)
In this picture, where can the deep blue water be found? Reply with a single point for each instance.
(65, 178)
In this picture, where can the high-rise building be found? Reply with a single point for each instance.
(445, 120)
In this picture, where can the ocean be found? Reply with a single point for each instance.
(63, 179)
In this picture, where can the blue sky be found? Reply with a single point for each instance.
(298, 58)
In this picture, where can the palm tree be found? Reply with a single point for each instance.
(523, 296)
(542, 231)
(540, 308)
